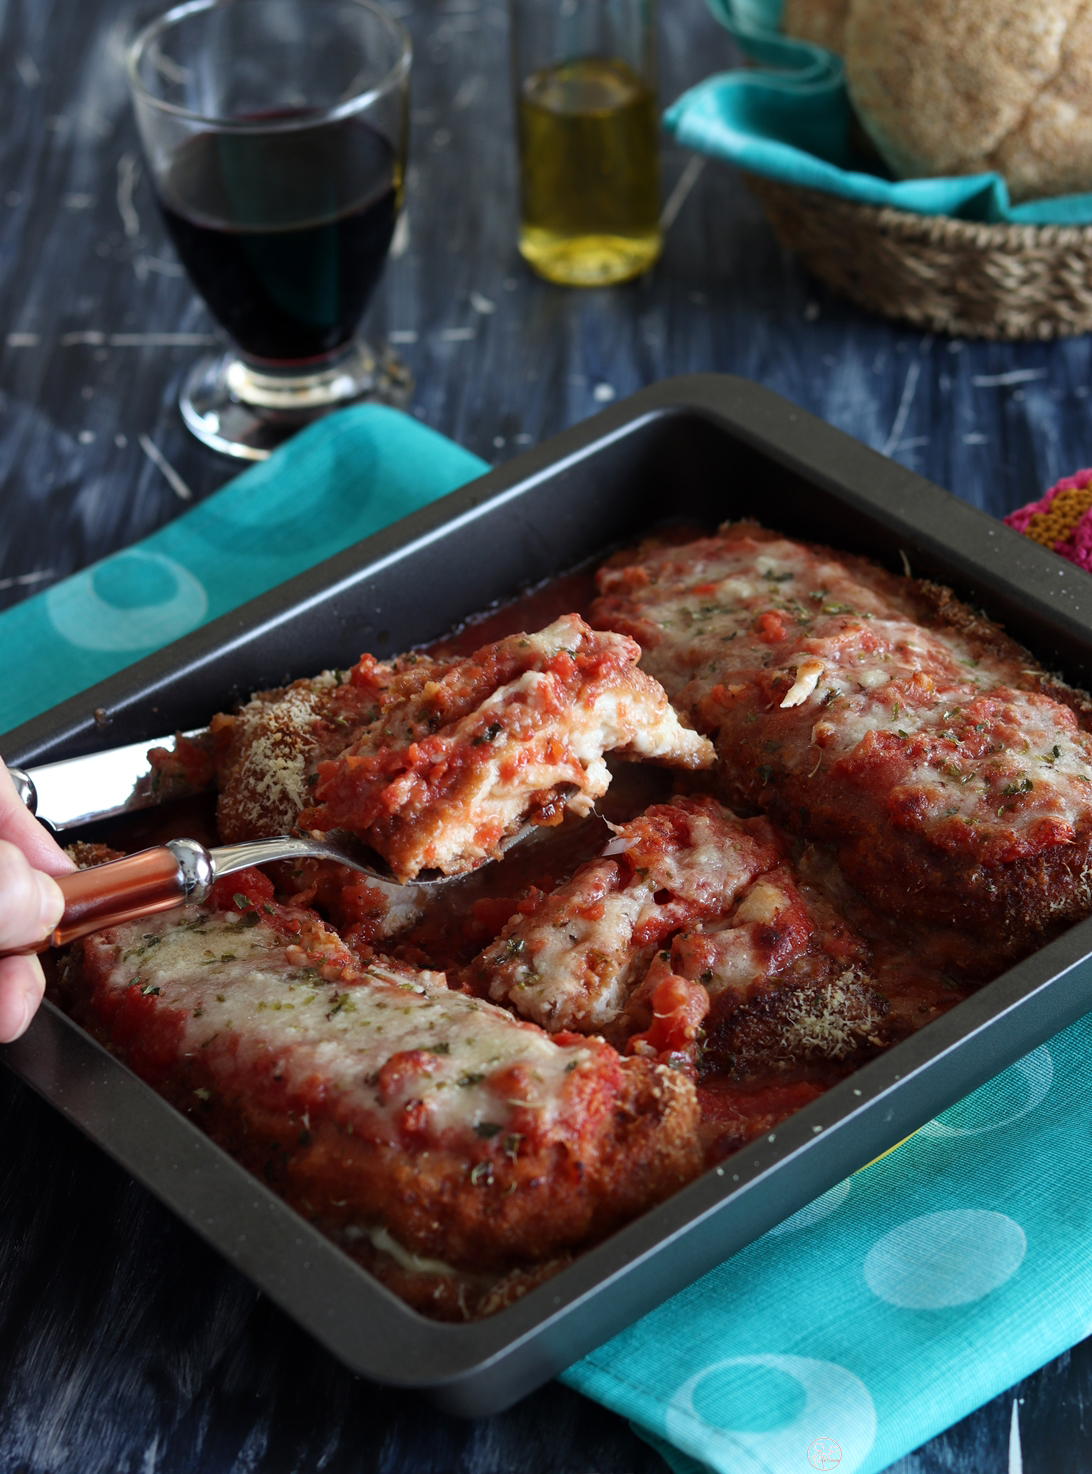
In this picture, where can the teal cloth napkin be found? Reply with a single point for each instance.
(878, 1315)
(340, 480)
(890, 1307)
(789, 119)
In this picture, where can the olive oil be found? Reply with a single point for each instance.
(589, 172)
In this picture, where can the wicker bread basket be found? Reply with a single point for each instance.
(949, 276)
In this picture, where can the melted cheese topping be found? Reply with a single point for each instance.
(572, 970)
(1010, 769)
(251, 1009)
(768, 930)
(727, 604)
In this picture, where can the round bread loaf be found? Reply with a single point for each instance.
(963, 86)
(823, 22)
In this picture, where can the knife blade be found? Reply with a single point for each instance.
(78, 790)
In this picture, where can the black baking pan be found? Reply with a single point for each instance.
(703, 449)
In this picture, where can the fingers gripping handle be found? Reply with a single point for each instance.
(122, 890)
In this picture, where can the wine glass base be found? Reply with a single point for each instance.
(243, 412)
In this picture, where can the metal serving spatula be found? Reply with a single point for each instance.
(77, 790)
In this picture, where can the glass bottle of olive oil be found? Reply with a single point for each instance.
(588, 138)
(589, 172)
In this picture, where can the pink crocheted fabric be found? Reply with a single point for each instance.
(1062, 519)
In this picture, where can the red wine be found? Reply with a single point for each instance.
(284, 233)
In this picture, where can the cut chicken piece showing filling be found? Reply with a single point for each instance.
(444, 1142)
(575, 961)
(460, 755)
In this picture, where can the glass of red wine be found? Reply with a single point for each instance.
(275, 131)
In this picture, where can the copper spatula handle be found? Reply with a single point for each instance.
(108, 894)
(122, 890)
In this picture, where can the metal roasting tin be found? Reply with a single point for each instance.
(702, 448)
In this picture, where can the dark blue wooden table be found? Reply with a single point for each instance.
(125, 1344)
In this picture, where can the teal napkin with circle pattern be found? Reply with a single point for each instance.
(889, 1308)
(335, 483)
(789, 119)
(899, 1301)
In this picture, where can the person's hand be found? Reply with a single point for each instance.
(30, 906)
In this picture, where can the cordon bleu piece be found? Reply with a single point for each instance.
(434, 762)
(457, 1152)
(699, 930)
(950, 774)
